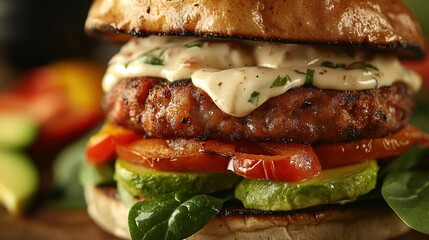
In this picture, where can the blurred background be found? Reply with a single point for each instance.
(420, 9)
(50, 101)
(34, 33)
(50, 93)
(50, 74)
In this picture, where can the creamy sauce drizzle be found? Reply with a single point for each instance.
(241, 75)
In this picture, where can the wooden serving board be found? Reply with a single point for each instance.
(60, 224)
(50, 223)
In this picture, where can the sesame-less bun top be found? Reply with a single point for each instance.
(385, 24)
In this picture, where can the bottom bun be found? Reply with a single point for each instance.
(351, 221)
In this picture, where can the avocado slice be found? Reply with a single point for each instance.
(18, 181)
(96, 175)
(144, 182)
(126, 196)
(17, 130)
(331, 186)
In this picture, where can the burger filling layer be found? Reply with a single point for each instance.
(239, 76)
(186, 177)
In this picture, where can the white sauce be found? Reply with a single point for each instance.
(241, 75)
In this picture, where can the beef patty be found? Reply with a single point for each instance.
(160, 109)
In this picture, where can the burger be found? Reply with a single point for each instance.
(257, 120)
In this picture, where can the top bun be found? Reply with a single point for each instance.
(384, 24)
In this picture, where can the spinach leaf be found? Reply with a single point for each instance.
(407, 193)
(172, 216)
(96, 175)
(406, 161)
(406, 190)
(125, 196)
(421, 113)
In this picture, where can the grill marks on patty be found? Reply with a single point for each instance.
(159, 109)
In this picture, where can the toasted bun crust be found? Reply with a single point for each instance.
(378, 23)
(343, 222)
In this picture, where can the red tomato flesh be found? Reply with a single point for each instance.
(101, 148)
(176, 155)
(421, 67)
(287, 162)
(292, 162)
(341, 154)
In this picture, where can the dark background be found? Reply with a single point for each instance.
(33, 32)
(36, 32)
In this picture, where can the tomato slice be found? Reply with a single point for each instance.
(283, 162)
(291, 162)
(287, 162)
(176, 155)
(101, 147)
(421, 67)
(341, 154)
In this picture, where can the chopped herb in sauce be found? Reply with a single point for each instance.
(153, 60)
(353, 66)
(149, 58)
(361, 65)
(254, 98)
(376, 82)
(329, 64)
(279, 81)
(309, 76)
(300, 72)
(197, 43)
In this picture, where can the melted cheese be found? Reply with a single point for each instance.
(241, 75)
